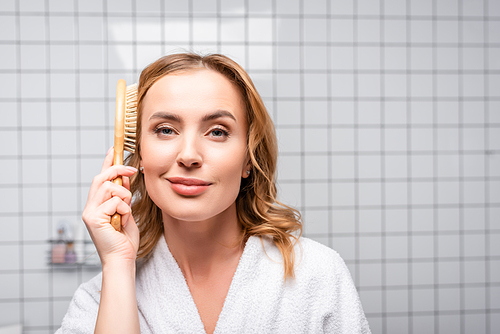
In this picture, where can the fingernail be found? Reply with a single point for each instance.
(132, 168)
(110, 149)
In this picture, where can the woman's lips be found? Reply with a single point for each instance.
(188, 186)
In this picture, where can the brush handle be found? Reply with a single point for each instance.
(121, 90)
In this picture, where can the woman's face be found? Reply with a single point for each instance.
(194, 144)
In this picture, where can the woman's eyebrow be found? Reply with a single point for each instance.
(218, 114)
(165, 115)
(176, 118)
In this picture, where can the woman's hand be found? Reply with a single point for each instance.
(104, 200)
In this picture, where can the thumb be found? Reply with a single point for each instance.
(130, 229)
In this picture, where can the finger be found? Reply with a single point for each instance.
(108, 161)
(108, 175)
(130, 229)
(126, 185)
(107, 191)
(127, 218)
(114, 171)
(101, 216)
(112, 206)
(126, 182)
(122, 208)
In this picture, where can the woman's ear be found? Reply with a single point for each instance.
(247, 170)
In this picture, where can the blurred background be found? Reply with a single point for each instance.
(388, 118)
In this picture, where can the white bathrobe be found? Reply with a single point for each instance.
(321, 299)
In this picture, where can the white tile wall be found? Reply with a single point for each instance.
(386, 114)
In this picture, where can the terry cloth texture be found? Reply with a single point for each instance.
(321, 299)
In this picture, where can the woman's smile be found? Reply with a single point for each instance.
(188, 186)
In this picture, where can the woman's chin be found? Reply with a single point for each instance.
(194, 213)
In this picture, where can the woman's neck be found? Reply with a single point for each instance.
(203, 248)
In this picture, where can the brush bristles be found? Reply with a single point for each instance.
(130, 118)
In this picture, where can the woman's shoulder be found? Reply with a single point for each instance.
(314, 258)
(316, 248)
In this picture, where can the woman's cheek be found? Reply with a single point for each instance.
(157, 156)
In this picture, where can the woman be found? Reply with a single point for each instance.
(206, 154)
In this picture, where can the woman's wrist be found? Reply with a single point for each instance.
(119, 266)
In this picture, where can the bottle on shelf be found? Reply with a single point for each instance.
(59, 247)
(70, 255)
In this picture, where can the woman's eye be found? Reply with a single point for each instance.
(219, 133)
(164, 131)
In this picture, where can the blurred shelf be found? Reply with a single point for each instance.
(85, 255)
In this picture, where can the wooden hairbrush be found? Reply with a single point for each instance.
(125, 129)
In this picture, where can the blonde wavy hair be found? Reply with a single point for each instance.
(258, 209)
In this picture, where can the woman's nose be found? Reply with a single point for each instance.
(189, 154)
